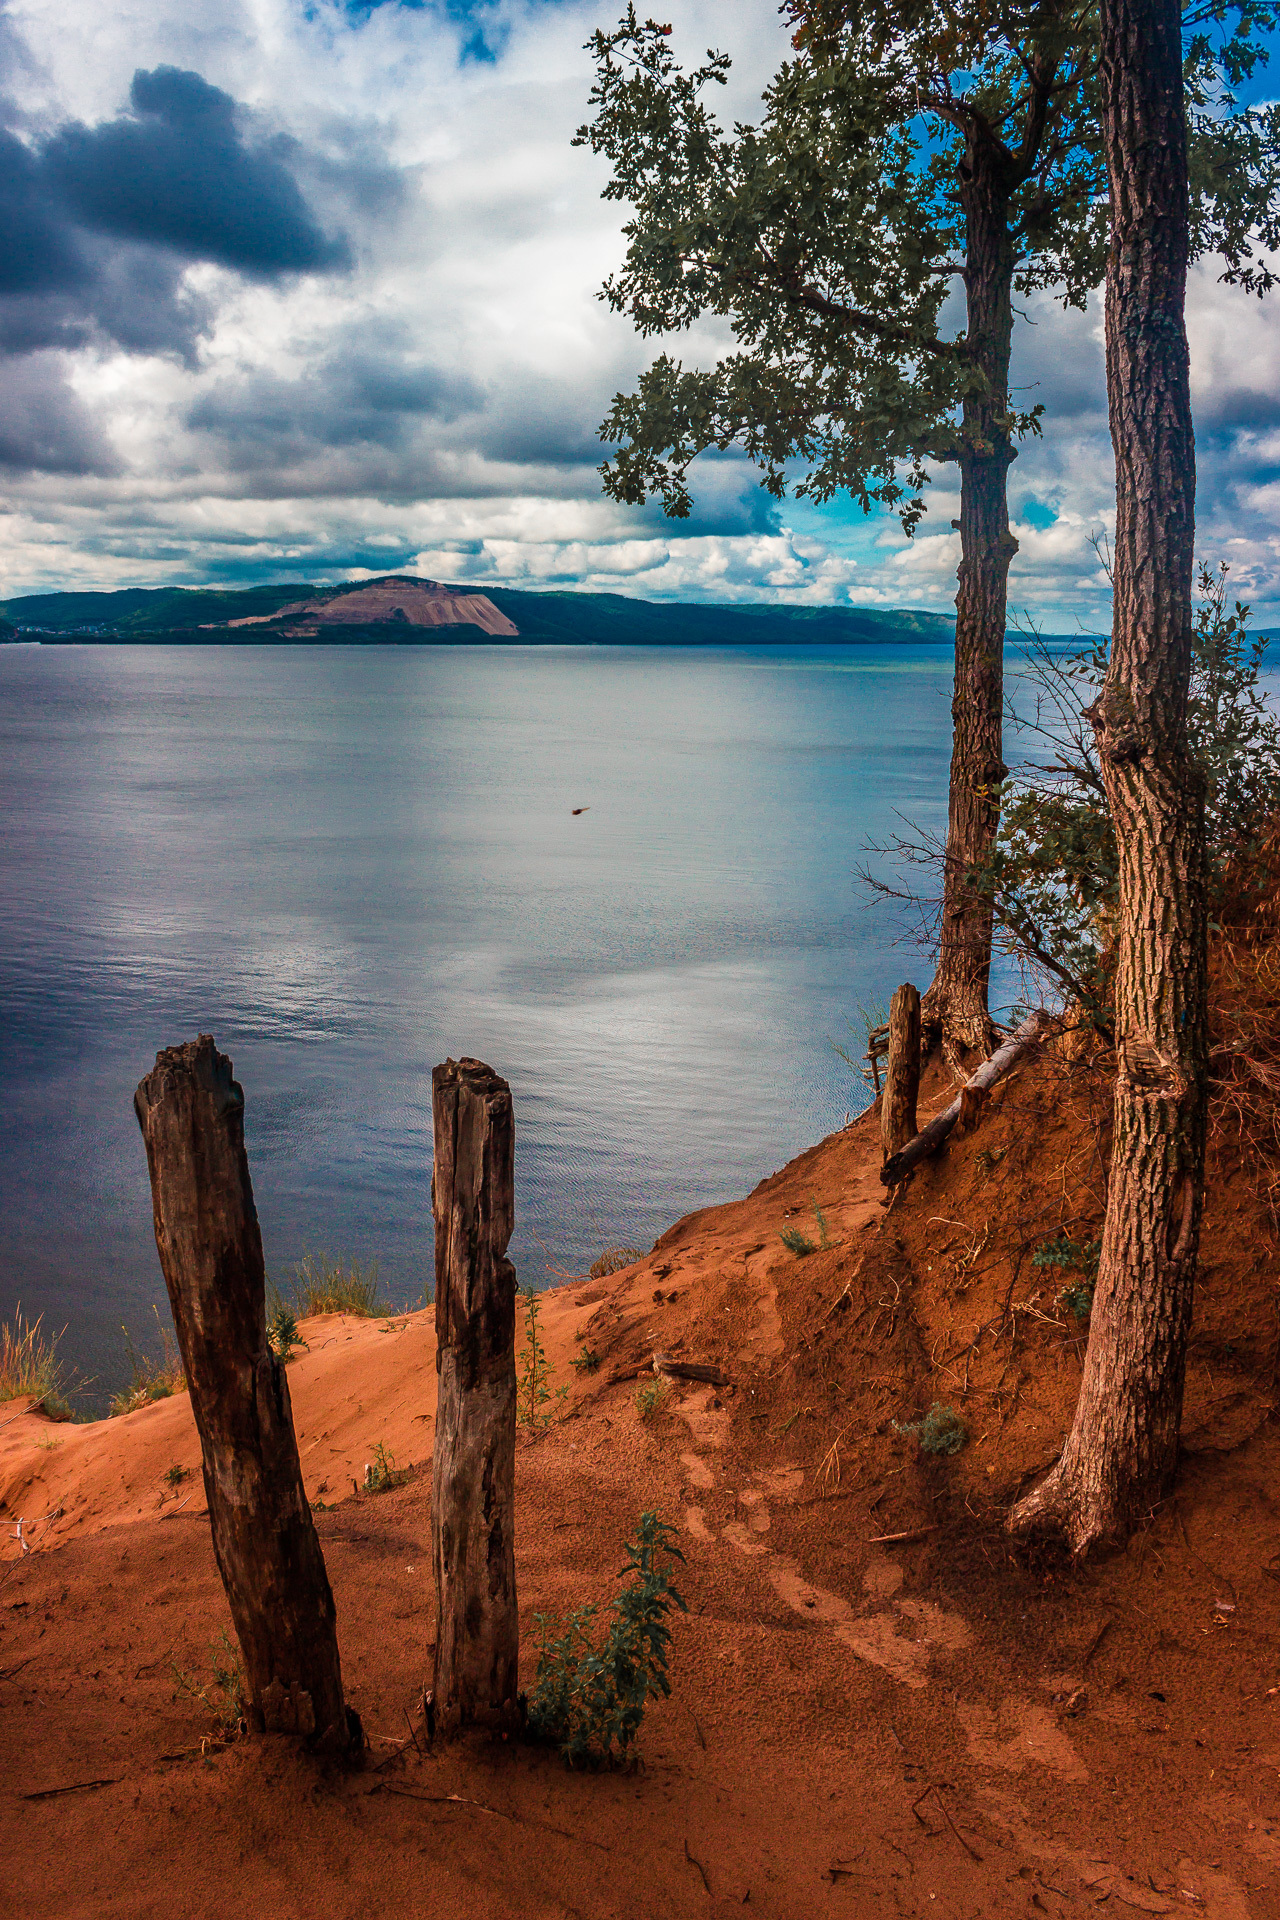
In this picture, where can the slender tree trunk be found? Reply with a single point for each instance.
(1122, 1449)
(955, 1007)
(191, 1112)
(473, 1480)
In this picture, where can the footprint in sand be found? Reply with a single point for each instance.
(874, 1637)
(700, 1474)
(1031, 1734)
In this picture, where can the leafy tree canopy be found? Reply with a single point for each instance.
(828, 234)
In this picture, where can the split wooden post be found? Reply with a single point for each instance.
(473, 1473)
(191, 1112)
(902, 1074)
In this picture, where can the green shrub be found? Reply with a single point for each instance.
(382, 1474)
(1065, 1255)
(225, 1694)
(1053, 875)
(533, 1378)
(590, 1698)
(282, 1331)
(651, 1398)
(796, 1242)
(941, 1431)
(586, 1362)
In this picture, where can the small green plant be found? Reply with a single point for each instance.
(175, 1476)
(1077, 1300)
(29, 1365)
(382, 1474)
(796, 1242)
(1065, 1255)
(282, 1331)
(151, 1379)
(613, 1260)
(1068, 1256)
(48, 1444)
(590, 1698)
(824, 1238)
(533, 1381)
(322, 1285)
(651, 1398)
(587, 1361)
(941, 1431)
(224, 1695)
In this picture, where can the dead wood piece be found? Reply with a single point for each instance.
(191, 1112)
(902, 1074)
(77, 1786)
(930, 1138)
(473, 1474)
(913, 1533)
(688, 1370)
(628, 1373)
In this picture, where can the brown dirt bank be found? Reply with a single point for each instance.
(1106, 1736)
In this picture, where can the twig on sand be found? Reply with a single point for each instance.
(77, 1786)
(913, 1533)
(935, 1787)
(461, 1800)
(695, 1862)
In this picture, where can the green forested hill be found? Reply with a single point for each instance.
(186, 615)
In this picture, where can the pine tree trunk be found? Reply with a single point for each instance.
(473, 1477)
(955, 1007)
(1121, 1452)
(191, 1112)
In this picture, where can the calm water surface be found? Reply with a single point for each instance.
(348, 863)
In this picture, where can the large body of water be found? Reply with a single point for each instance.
(348, 863)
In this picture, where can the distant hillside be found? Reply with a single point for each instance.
(401, 608)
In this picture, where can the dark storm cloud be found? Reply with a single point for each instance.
(176, 173)
(97, 224)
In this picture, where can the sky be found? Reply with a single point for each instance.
(307, 289)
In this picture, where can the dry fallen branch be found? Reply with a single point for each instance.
(967, 1101)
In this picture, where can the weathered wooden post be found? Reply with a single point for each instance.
(191, 1112)
(902, 1074)
(473, 1475)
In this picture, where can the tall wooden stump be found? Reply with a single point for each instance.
(902, 1074)
(473, 1480)
(191, 1112)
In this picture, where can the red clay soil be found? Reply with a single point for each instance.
(877, 1708)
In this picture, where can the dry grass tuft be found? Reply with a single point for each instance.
(29, 1365)
(332, 1286)
(151, 1378)
(613, 1260)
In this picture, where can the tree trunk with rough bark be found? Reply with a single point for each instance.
(955, 1007)
(473, 1476)
(902, 1072)
(1121, 1452)
(191, 1112)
